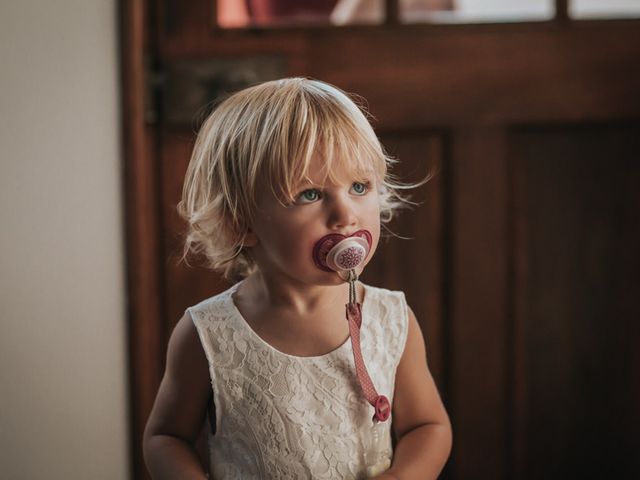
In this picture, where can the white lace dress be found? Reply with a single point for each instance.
(280, 416)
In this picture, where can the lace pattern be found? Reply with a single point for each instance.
(287, 417)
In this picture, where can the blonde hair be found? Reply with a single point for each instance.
(270, 133)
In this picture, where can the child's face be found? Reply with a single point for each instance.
(284, 236)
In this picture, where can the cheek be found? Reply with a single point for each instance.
(288, 240)
(373, 216)
(375, 220)
(375, 239)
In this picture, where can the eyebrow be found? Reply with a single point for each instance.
(313, 186)
(301, 187)
(306, 184)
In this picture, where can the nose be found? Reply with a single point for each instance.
(341, 214)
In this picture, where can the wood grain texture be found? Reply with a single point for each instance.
(479, 296)
(143, 233)
(577, 238)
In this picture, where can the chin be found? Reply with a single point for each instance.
(327, 279)
(335, 279)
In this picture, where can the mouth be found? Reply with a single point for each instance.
(352, 255)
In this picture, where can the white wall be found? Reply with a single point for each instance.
(63, 387)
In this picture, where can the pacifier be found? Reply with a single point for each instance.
(337, 253)
(340, 254)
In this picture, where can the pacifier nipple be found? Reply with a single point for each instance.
(340, 254)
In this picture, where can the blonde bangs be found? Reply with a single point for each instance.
(324, 123)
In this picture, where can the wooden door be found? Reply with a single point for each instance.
(523, 262)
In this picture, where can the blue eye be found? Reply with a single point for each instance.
(360, 188)
(308, 196)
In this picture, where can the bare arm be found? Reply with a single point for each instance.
(179, 410)
(420, 420)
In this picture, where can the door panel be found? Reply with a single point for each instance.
(479, 296)
(576, 238)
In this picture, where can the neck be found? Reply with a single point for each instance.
(294, 296)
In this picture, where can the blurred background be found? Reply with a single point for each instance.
(522, 263)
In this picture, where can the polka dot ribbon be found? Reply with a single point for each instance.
(380, 403)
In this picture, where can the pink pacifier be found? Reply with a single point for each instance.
(337, 253)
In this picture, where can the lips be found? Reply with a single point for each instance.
(347, 257)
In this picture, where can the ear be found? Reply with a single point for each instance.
(250, 239)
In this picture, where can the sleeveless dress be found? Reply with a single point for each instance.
(280, 416)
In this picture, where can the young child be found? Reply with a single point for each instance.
(284, 175)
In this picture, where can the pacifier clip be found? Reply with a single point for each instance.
(380, 403)
(342, 254)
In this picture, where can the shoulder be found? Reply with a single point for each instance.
(220, 304)
(384, 296)
(392, 314)
(387, 303)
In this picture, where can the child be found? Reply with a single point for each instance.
(283, 175)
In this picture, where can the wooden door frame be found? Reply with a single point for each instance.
(143, 251)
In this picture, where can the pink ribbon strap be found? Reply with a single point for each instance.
(380, 403)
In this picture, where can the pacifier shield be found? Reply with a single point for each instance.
(335, 252)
